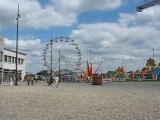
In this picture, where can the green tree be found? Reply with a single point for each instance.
(151, 62)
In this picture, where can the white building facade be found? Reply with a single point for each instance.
(8, 63)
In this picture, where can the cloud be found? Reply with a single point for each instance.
(127, 42)
(126, 19)
(149, 17)
(77, 6)
(33, 15)
(118, 43)
(33, 49)
(56, 13)
(23, 44)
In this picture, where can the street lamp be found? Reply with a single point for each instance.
(18, 16)
(51, 70)
(51, 79)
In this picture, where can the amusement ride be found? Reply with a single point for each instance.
(61, 53)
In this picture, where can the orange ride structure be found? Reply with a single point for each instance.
(119, 74)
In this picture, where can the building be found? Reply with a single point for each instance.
(8, 63)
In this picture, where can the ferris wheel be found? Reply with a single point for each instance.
(62, 53)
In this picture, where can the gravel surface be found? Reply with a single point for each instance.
(81, 101)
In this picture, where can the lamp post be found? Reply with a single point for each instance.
(16, 80)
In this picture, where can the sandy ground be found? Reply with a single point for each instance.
(81, 101)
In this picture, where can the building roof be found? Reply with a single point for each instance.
(14, 51)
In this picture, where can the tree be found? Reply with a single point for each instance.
(43, 72)
(151, 62)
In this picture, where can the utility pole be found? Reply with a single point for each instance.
(16, 80)
(153, 53)
(90, 51)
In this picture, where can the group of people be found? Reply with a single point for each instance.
(13, 79)
(29, 80)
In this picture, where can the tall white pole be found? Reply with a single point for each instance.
(16, 80)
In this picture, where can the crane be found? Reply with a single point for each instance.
(146, 4)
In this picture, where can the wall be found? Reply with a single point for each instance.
(11, 65)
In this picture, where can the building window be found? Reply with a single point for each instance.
(18, 60)
(13, 60)
(5, 58)
(1, 57)
(21, 61)
(9, 58)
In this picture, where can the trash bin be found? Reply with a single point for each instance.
(96, 79)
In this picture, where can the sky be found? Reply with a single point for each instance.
(115, 33)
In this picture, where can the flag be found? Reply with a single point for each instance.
(90, 70)
(87, 71)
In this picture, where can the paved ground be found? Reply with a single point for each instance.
(81, 101)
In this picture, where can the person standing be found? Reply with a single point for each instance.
(142, 76)
(11, 81)
(56, 80)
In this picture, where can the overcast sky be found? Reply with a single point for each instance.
(115, 32)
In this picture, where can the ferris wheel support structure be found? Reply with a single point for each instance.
(52, 44)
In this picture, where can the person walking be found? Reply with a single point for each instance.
(32, 80)
(28, 79)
